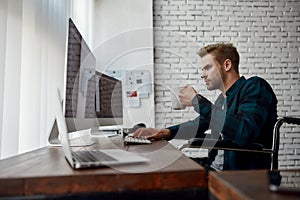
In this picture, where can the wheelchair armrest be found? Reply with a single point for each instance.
(222, 144)
(202, 141)
(291, 120)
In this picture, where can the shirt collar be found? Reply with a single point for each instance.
(236, 86)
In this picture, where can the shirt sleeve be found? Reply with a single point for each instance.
(190, 129)
(194, 128)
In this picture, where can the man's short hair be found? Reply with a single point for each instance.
(221, 52)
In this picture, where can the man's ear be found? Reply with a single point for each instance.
(227, 65)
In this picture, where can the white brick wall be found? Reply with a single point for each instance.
(267, 35)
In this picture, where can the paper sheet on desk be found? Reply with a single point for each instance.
(190, 152)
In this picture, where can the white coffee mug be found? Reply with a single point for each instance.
(176, 105)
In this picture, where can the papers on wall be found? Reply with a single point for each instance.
(137, 85)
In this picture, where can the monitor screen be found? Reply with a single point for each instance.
(92, 98)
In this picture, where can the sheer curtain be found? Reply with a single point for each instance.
(32, 59)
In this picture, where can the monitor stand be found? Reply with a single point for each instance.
(53, 138)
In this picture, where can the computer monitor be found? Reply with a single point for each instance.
(108, 105)
(91, 99)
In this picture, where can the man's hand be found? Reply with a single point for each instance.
(152, 133)
(186, 94)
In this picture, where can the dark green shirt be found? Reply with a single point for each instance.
(247, 115)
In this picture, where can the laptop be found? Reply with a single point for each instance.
(92, 158)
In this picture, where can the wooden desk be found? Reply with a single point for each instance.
(241, 185)
(46, 172)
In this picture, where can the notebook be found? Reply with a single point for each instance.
(92, 158)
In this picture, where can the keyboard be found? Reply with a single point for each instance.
(135, 140)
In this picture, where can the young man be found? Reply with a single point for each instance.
(244, 113)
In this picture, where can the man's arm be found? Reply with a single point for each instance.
(190, 129)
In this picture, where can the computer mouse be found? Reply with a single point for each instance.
(126, 131)
(139, 125)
